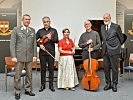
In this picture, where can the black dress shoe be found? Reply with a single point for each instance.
(114, 88)
(107, 87)
(29, 93)
(52, 88)
(17, 96)
(42, 88)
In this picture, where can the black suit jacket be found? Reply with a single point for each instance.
(50, 44)
(112, 39)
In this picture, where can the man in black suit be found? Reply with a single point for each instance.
(46, 60)
(111, 48)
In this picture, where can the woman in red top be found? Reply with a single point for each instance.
(67, 76)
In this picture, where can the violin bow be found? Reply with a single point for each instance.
(44, 49)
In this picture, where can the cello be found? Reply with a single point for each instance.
(90, 80)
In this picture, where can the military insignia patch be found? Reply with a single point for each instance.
(4, 28)
(130, 31)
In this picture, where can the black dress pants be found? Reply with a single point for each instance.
(111, 62)
(46, 61)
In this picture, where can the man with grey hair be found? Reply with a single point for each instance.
(90, 37)
(23, 52)
(111, 48)
(46, 39)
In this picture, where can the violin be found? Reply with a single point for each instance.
(90, 80)
(44, 38)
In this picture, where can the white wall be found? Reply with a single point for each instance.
(68, 14)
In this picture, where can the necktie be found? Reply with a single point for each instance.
(27, 29)
(107, 28)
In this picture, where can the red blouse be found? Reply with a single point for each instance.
(66, 47)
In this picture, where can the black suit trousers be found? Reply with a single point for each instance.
(46, 61)
(111, 62)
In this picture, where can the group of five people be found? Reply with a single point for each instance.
(24, 42)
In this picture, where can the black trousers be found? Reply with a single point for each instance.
(46, 61)
(111, 62)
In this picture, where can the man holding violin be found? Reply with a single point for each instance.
(46, 39)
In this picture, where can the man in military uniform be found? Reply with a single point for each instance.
(23, 52)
